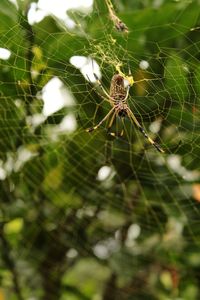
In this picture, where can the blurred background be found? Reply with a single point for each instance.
(89, 215)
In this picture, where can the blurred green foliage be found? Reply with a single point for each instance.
(64, 233)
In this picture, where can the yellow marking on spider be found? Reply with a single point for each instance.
(128, 78)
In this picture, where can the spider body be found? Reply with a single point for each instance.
(117, 89)
(117, 97)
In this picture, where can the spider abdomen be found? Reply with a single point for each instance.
(117, 89)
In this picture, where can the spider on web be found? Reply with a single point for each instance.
(117, 97)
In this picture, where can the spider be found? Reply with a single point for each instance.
(117, 97)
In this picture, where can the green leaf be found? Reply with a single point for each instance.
(14, 226)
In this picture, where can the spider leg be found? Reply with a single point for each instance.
(105, 95)
(127, 93)
(103, 89)
(133, 118)
(122, 131)
(129, 69)
(95, 127)
(111, 122)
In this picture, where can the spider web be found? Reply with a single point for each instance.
(92, 216)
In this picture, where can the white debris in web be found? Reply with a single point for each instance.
(56, 96)
(104, 173)
(68, 124)
(155, 126)
(87, 67)
(143, 64)
(38, 11)
(78, 61)
(5, 53)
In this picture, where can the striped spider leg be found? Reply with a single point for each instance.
(117, 97)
